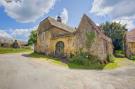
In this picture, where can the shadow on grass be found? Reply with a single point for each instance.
(91, 66)
(48, 58)
(67, 63)
(38, 55)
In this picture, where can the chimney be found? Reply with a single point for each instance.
(59, 19)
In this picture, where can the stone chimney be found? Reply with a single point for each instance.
(59, 19)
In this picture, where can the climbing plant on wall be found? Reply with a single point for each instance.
(90, 38)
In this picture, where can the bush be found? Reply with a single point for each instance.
(84, 59)
(110, 58)
(119, 53)
(132, 57)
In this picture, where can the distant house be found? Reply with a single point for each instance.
(19, 44)
(10, 43)
(58, 39)
(16, 44)
(130, 43)
(5, 42)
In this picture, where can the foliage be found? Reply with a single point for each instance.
(132, 57)
(85, 60)
(119, 53)
(110, 58)
(13, 50)
(33, 37)
(117, 62)
(116, 32)
(112, 65)
(90, 38)
(92, 66)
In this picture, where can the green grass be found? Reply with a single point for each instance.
(117, 62)
(92, 66)
(13, 50)
(119, 53)
(58, 61)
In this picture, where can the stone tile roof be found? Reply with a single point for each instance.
(130, 36)
(64, 27)
(60, 25)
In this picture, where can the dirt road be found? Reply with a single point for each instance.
(20, 72)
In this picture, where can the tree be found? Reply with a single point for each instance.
(116, 32)
(33, 37)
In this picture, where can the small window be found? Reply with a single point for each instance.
(105, 46)
(42, 36)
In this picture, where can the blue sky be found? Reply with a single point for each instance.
(19, 17)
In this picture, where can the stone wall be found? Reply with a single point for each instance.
(100, 47)
(48, 36)
(46, 42)
(130, 48)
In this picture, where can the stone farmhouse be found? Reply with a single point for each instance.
(130, 43)
(5, 42)
(57, 39)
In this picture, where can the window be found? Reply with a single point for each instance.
(42, 36)
(105, 46)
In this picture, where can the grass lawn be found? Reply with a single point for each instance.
(118, 62)
(92, 66)
(13, 50)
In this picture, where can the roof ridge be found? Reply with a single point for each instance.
(96, 28)
(60, 25)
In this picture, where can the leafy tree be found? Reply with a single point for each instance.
(33, 37)
(116, 32)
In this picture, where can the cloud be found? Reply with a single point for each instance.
(129, 23)
(116, 9)
(22, 34)
(4, 34)
(26, 11)
(19, 34)
(64, 15)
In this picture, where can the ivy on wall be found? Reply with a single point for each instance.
(90, 38)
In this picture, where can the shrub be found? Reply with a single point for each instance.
(110, 58)
(132, 57)
(119, 53)
(84, 59)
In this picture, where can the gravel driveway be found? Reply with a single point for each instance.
(20, 72)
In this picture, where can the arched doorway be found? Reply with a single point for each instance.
(59, 49)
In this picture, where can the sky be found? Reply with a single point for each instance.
(19, 17)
